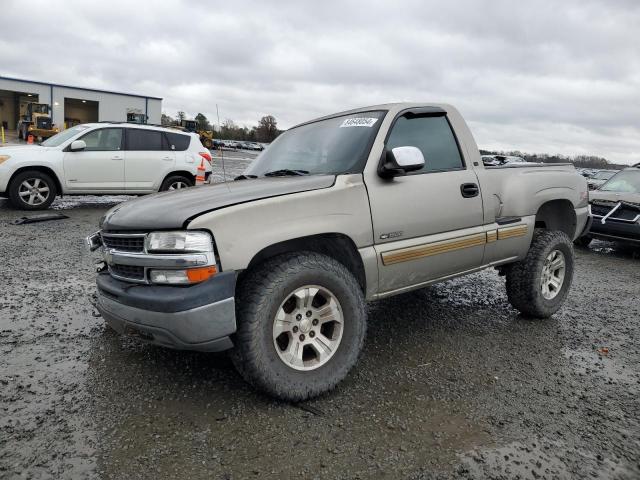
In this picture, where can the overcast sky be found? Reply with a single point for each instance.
(542, 76)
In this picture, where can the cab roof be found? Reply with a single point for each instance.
(392, 108)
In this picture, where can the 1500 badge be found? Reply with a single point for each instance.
(386, 236)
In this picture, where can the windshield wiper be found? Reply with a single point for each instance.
(285, 172)
(245, 177)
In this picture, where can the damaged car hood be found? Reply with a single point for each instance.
(175, 209)
(615, 197)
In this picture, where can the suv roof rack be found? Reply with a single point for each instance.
(118, 122)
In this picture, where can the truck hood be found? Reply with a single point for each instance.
(175, 209)
(614, 196)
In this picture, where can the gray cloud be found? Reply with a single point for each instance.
(541, 76)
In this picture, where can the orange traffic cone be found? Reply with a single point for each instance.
(30, 139)
(200, 174)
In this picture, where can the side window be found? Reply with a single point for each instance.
(103, 140)
(144, 140)
(178, 141)
(433, 136)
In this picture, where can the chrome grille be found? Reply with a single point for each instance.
(618, 212)
(128, 271)
(601, 210)
(123, 242)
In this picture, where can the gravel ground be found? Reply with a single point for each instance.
(452, 381)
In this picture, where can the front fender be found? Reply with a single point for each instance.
(241, 231)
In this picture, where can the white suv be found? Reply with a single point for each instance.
(101, 158)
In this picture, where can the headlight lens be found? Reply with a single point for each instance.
(181, 242)
(4, 158)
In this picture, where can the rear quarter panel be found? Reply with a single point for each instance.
(521, 191)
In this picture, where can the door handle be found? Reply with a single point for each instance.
(116, 157)
(167, 159)
(469, 190)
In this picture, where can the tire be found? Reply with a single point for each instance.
(172, 182)
(44, 184)
(259, 354)
(583, 241)
(525, 285)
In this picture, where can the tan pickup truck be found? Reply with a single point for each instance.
(353, 207)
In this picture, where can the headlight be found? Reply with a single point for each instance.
(4, 158)
(179, 242)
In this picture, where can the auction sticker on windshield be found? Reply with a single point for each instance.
(359, 122)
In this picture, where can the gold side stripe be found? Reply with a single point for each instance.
(435, 248)
(510, 232)
(446, 246)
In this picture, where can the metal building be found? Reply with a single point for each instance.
(70, 106)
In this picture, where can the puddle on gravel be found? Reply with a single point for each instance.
(592, 362)
(542, 458)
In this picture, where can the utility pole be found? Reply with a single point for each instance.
(224, 173)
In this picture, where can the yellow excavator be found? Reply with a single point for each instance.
(206, 136)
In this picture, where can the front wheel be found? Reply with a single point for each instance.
(538, 285)
(32, 190)
(301, 325)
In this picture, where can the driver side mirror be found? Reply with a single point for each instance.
(77, 146)
(400, 160)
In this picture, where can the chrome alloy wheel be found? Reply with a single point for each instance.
(177, 186)
(308, 327)
(34, 191)
(553, 274)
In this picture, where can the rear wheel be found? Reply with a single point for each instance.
(538, 285)
(301, 325)
(32, 190)
(176, 182)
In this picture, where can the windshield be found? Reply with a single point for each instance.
(39, 108)
(627, 181)
(63, 136)
(333, 146)
(603, 175)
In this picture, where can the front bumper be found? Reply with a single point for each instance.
(616, 231)
(613, 228)
(200, 317)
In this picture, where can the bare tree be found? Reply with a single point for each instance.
(203, 122)
(267, 129)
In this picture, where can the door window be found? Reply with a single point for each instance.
(433, 136)
(103, 140)
(144, 140)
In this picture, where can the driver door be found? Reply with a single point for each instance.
(100, 166)
(427, 224)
